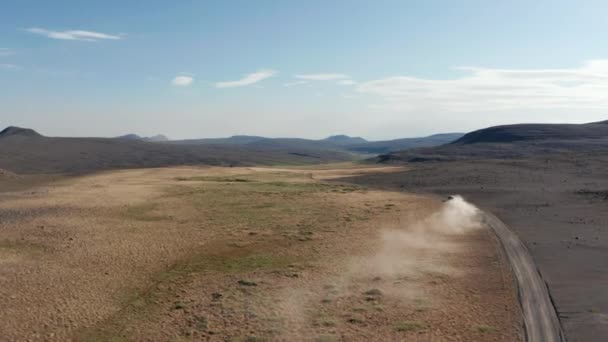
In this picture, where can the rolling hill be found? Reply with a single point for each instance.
(379, 147)
(342, 143)
(536, 132)
(24, 151)
(512, 141)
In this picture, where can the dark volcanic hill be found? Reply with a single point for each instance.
(379, 147)
(345, 140)
(13, 130)
(511, 133)
(130, 136)
(512, 141)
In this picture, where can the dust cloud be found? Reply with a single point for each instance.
(417, 249)
(456, 216)
(403, 260)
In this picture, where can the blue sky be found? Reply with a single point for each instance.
(378, 69)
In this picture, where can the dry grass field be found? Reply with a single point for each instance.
(246, 254)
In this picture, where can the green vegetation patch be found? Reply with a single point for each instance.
(281, 186)
(11, 245)
(224, 264)
(410, 326)
(327, 338)
(323, 320)
(139, 305)
(144, 212)
(239, 179)
(257, 205)
(259, 185)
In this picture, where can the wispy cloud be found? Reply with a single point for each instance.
(346, 82)
(6, 52)
(322, 77)
(486, 89)
(7, 66)
(182, 80)
(247, 79)
(74, 34)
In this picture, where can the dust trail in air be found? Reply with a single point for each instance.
(416, 249)
(404, 259)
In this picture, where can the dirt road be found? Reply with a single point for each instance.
(540, 319)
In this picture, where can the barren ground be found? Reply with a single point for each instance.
(243, 254)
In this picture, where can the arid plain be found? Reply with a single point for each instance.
(246, 254)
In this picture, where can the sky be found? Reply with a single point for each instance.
(377, 69)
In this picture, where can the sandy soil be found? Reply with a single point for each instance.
(241, 254)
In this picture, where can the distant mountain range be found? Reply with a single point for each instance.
(23, 150)
(355, 145)
(155, 138)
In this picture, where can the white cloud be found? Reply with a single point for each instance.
(73, 34)
(182, 80)
(247, 79)
(486, 89)
(322, 77)
(6, 52)
(346, 82)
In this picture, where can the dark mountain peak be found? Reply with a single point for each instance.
(338, 137)
(342, 139)
(131, 136)
(13, 130)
